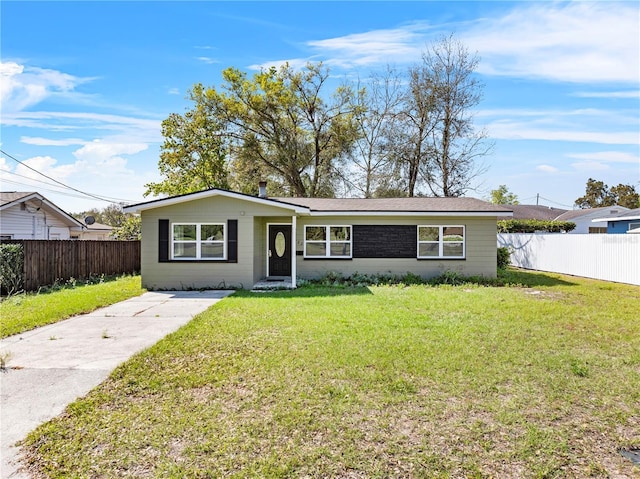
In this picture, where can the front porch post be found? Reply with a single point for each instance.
(293, 251)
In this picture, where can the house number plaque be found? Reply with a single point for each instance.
(280, 244)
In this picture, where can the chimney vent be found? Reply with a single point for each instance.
(262, 189)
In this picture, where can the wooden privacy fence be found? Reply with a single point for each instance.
(610, 257)
(48, 261)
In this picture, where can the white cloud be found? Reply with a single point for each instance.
(375, 47)
(590, 166)
(32, 140)
(574, 42)
(173, 91)
(208, 60)
(142, 129)
(609, 94)
(47, 166)
(99, 169)
(580, 42)
(607, 156)
(99, 155)
(547, 168)
(23, 86)
(514, 130)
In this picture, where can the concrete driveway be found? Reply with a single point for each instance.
(50, 367)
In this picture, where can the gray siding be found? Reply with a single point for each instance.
(480, 249)
(253, 220)
(205, 274)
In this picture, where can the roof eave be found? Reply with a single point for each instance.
(617, 218)
(505, 214)
(163, 202)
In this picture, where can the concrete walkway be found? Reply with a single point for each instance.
(50, 367)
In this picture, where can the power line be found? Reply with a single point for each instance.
(101, 198)
(538, 197)
(40, 188)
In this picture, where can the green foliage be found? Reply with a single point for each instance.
(400, 135)
(412, 382)
(599, 194)
(193, 155)
(284, 119)
(131, 229)
(502, 196)
(358, 280)
(504, 258)
(26, 311)
(11, 266)
(111, 215)
(531, 226)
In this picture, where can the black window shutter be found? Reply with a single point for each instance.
(163, 241)
(232, 241)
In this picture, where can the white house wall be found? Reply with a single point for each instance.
(27, 224)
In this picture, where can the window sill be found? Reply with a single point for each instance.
(442, 258)
(326, 258)
(199, 261)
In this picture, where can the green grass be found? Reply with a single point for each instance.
(26, 311)
(413, 382)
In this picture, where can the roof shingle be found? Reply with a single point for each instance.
(413, 205)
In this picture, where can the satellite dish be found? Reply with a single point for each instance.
(89, 220)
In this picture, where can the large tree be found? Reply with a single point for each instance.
(441, 149)
(193, 155)
(372, 171)
(598, 194)
(285, 121)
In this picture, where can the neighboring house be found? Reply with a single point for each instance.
(535, 212)
(625, 222)
(584, 218)
(218, 238)
(95, 231)
(29, 215)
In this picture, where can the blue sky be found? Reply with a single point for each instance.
(85, 85)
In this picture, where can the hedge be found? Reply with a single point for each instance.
(11, 265)
(531, 226)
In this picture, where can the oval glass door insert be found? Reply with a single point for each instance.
(281, 244)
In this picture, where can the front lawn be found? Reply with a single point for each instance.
(26, 311)
(412, 382)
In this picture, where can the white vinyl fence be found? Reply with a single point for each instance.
(610, 257)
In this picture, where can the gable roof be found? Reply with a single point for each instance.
(198, 195)
(575, 214)
(9, 199)
(624, 216)
(97, 227)
(535, 212)
(344, 206)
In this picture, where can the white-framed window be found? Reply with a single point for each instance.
(204, 241)
(441, 241)
(633, 226)
(327, 241)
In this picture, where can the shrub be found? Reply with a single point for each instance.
(531, 226)
(504, 257)
(11, 264)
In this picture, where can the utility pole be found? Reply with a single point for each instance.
(537, 198)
